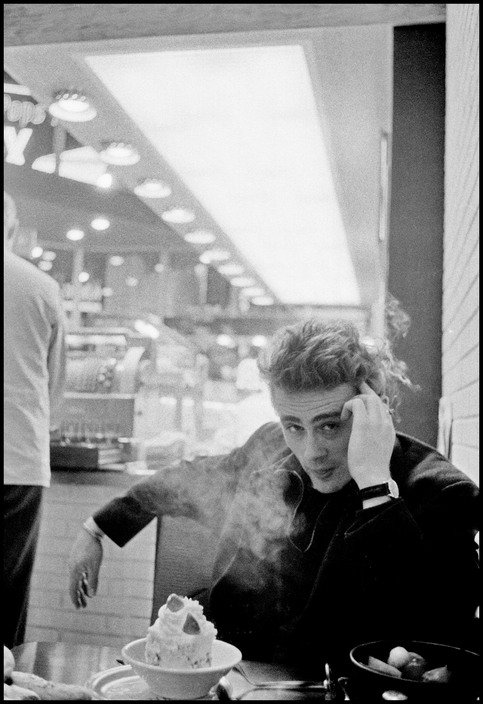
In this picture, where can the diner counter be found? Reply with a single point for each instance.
(123, 476)
(78, 663)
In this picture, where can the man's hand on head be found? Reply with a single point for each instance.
(372, 438)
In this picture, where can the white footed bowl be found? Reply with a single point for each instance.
(182, 684)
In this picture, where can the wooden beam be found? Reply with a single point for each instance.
(31, 24)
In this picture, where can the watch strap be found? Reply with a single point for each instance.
(385, 489)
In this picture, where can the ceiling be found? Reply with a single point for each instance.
(39, 23)
(349, 72)
(52, 205)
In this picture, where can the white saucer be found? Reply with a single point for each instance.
(120, 683)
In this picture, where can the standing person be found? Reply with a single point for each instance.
(335, 530)
(34, 373)
(248, 379)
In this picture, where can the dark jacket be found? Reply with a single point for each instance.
(304, 576)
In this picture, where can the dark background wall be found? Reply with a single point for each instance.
(416, 216)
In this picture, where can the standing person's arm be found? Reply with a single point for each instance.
(56, 362)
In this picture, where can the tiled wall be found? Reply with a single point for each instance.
(461, 272)
(121, 610)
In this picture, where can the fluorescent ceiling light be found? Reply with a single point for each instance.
(119, 154)
(100, 224)
(107, 291)
(241, 127)
(152, 188)
(259, 341)
(75, 235)
(178, 216)
(200, 237)
(72, 106)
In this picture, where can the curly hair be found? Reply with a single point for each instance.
(323, 354)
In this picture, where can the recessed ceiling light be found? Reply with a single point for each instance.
(132, 281)
(242, 281)
(75, 235)
(49, 256)
(119, 154)
(83, 277)
(214, 255)
(116, 260)
(100, 224)
(226, 341)
(230, 269)
(259, 341)
(45, 266)
(251, 291)
(200, 237)
(159, 268)
(178, 215)
(36, 252)
(152, 188)
(263, 301)
(72, 106)
(105, 180)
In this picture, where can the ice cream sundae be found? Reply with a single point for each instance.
(181, 637)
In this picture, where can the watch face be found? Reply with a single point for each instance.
(393, 489)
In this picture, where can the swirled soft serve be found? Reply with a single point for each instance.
(181, 636)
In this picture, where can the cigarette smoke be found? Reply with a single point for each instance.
(240, 498)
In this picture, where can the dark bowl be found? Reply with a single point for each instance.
(463, 686)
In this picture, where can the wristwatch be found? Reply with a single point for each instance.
(389, 488)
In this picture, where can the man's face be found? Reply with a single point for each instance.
(315, 433)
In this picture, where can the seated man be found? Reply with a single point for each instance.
(334, 529)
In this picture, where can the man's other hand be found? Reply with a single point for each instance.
(84, 564)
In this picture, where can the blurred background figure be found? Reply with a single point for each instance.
(34, 373)
(247, 375)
